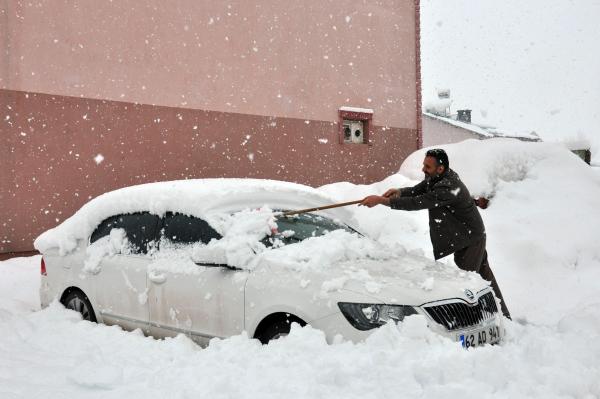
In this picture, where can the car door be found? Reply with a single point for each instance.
(200, 300)
(121, 279)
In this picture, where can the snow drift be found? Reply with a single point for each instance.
(542, 224)
(543, 228)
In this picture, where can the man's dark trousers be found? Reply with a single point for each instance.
(474, 259)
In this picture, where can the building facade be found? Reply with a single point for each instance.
(99, 95)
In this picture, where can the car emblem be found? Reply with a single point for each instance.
(469, 294)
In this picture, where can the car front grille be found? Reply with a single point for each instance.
(458, 315)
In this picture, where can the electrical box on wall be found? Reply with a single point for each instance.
(353, 131)
(355, 125)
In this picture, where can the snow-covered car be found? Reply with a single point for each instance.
(215, 257)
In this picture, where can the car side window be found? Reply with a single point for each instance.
(183, 229)
(141, 229)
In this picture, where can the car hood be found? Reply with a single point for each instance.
(412, 282)
(404, 280)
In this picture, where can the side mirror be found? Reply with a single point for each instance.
(209, 255)
(215, 256)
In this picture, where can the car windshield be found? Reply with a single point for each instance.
(292, 229)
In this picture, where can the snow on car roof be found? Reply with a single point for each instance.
(197, 197)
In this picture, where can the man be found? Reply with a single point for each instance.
(455, 225)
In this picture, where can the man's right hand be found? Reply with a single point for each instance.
(392, 192)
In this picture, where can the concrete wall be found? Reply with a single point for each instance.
(192, 89)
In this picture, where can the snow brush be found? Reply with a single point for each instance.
(481, 202)
(319, 208)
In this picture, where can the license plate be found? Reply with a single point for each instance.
(487, 335)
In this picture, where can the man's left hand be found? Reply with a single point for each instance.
(373, 200)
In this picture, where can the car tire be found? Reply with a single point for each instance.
(79, 302)
(274, 331)
(278, 329)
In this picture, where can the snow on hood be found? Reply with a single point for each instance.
(341, 260)
(201, 198)
(411, 279)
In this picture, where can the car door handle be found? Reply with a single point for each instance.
(157, 278)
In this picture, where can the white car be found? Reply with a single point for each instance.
(213, 258)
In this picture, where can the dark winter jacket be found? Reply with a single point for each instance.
(454, 221)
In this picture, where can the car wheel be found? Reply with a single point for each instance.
(79, 302)
(276, 330)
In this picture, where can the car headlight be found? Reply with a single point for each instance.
(366, 316)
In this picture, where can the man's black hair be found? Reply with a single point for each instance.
(440, 156)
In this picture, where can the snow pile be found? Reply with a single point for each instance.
(542, 226)
(542, 223)
(74, 358)
(484, 164)
(242, 234)
(19, 286)
(382, 224)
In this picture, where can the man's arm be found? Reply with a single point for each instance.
(406, 194)
(439, 196)
(419, 189)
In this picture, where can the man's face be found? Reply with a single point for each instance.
(431, 168)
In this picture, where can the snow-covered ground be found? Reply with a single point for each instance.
(543, 229)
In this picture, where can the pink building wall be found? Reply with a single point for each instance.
(192, 89)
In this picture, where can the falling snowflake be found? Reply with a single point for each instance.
(98, 159)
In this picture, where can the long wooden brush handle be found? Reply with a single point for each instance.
(320, 208)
